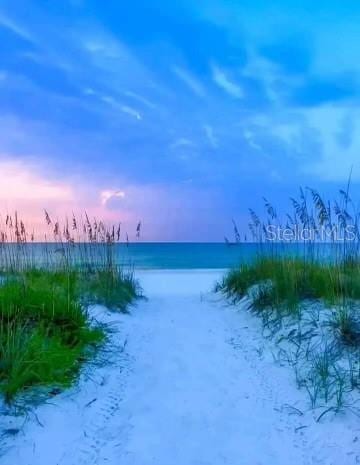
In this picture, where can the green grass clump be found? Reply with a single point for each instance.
(45, 331)
(110, 287)
(32, 357)
(46, 288)
(40, 295)
(292, 280)
(346, 325)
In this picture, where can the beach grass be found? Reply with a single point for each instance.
(284, 282)
(111, 287)
(306, 289)
(46, 328)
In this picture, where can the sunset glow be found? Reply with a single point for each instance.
(205, 107)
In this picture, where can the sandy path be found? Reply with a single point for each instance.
(193, 388)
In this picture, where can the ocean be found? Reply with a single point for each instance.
(180, 255)
(139, 255)
(176, 255)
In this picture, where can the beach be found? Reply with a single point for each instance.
(179, 233)
(186, 378)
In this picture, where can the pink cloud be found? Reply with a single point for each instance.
(26, 189)
(164, 210)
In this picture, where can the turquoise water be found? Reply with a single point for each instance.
(184, 255)
(172, 255)
(211, 255)
(140, 255)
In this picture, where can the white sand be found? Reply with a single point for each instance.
(196, 385)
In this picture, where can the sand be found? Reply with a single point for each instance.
(189, 381)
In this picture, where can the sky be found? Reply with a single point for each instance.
(181, 114)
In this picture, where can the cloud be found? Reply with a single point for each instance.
(15, 28)
(221, 79)
(113, 102)
(21, 182)
(131, 111)
(192, 83)
(209, 132)
(268, 74)
(106, 195)
(109, 61)
(103, 45)
(28, 189)
(251, 140)
(140, 98)
(334, 163)
(182, 142)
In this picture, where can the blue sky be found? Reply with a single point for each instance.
(180, 113)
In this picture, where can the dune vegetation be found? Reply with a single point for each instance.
(46, 290)
(304, 283)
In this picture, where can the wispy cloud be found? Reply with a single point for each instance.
(140, 98)
(256, 67)
(114, 64)
(192, 83)
(131, 111)
(182, 142)
(221, 79)
(334, 162)
(250, 138)
(17, 29)
(104, 45)
(209, 132)
(113, 102)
